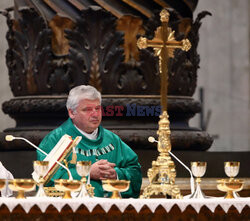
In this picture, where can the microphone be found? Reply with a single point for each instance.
(11, 138)
(152, 140)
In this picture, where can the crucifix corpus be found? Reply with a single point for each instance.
(162, 174)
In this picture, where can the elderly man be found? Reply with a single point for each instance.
(111, 158)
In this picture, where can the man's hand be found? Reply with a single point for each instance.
(102, 170)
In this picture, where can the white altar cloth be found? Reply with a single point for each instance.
(122, 204)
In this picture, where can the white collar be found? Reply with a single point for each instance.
(91, 136)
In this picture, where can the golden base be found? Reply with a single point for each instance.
(158, 189)
(20, 195)
(162, 174)
(229, 195)
(67, 195)
(162, 179)
(115, 195)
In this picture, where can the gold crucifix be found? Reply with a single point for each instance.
(164, 44)
(162, 174)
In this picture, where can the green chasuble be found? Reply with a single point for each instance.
(107, 146)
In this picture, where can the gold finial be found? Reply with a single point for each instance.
(142, 43)
(164, 15)
(164, 122)
(186, 45)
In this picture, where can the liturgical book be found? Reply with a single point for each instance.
(61, 150)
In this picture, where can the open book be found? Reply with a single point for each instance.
(60, 151)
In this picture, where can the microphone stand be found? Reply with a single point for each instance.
(191, 175)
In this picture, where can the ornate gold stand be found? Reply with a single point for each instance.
(162, 174)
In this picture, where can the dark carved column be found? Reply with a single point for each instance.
(49, 54)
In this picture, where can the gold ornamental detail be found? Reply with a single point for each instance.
(162, 174)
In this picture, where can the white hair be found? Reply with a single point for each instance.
(79, 93)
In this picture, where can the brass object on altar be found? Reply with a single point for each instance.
(2, 184)
(115, 186)
(198, 169)
(68, 186)
(22, 186)
(162, 174)
(51, 191)
(231, 185)
(41, 168)
(83, 169)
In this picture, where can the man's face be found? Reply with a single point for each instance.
(88, 115)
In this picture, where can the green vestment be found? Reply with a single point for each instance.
(107, 146)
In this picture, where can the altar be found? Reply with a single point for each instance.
(124, 209)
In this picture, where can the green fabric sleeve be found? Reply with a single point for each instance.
(47, 145)
(129, 169)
